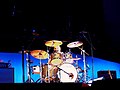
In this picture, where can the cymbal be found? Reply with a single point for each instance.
(39, 54)
(53, 43)
(74, 58)
(74, 44)
(71, 60)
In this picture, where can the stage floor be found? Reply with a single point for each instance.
(37, 86)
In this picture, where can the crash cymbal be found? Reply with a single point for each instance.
(39, 54)
(74, 44)
(53, 43)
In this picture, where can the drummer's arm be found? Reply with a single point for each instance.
(49, 61)
(62, 58)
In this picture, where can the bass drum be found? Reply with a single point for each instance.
(63, 73)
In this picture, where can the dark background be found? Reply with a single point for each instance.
(29, 24)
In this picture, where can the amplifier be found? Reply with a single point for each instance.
(6, 75)
(4, 65)
(107, 74)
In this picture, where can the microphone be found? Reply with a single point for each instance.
(83, 32)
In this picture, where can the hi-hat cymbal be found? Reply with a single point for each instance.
(74, 44)
(74, 58)
(39, 54)
(53, 43)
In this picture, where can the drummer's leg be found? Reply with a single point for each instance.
(51, 71)
(55, 71)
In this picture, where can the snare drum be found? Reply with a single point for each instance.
(56, 62)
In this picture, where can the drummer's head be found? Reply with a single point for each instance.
(57, 49)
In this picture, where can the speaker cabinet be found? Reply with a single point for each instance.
(107, 74)
(6, 75)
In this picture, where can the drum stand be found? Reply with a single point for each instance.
(77, 67)
(29, 80)
(41, 79)
(48, 67)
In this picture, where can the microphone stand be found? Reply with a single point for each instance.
(91, 47)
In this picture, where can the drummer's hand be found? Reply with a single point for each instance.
(51, 64)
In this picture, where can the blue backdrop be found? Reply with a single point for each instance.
(16, 62)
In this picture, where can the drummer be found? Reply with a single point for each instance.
(56, 59)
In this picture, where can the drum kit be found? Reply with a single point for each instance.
(67, 72)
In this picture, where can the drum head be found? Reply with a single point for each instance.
(36, 70)
(64, 77)
(56, 61)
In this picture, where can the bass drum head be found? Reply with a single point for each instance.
(64, 77)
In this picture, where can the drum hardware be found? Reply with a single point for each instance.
(53, 43)
(85, 65)
(56, 62)
(72, 60)
(83, 51)
(70, 74)
(40, 54)
(56, 57)
(67, 73)
(29, 80)
(69, 59)
(89, 40)
(74, 44)
(35, 69)
(48, 78)
(78, 44)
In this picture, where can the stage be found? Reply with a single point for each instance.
(101, 84)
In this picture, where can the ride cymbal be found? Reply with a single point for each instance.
(39, 54)
(74, 44)
(53, 43)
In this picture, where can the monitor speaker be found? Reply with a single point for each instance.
(6, 75)
(107, 74)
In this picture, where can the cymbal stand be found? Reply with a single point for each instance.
(40, 72)
(69, 50)
(29, 80)
(41, 79)
(77, 67)
(48, 67)
(85, 68)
